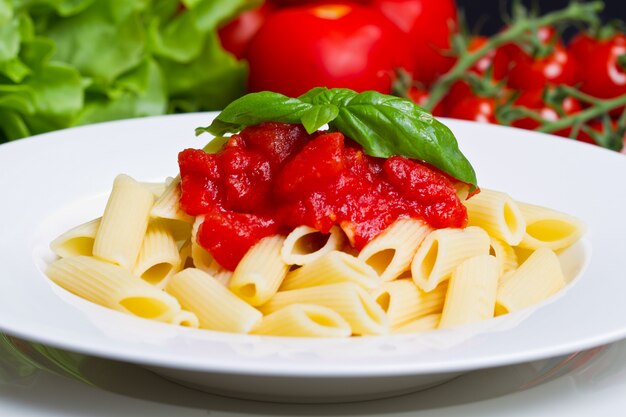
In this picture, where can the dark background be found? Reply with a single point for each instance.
(487, 13)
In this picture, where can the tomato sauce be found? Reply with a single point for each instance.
(273, 177)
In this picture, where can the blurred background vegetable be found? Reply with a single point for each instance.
(71, 62)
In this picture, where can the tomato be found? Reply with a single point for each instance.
(429, 25)
(420, 97)
(484, 63)
(475, 108)
(526, 72)
(330, 45)
(236, 35)
(533, 100)
(600, 72)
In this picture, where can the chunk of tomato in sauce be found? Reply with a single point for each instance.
(276, 141)
(228, 235)
(199, 181)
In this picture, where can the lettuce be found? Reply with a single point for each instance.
(65, 63)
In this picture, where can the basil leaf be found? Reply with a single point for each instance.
(216, 144)
(386, 126)
(318, 115)
(383, 125)
(256, 108)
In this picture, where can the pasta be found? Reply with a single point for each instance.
(76, 241)
(142, 257)
(305, 245)
(123, 223)
(332, 268)
(215, 306)
(304, 320)
(443, 250)
(391, 252)
(261, 271)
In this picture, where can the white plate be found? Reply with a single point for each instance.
(56, 180)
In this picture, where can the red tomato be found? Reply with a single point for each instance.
(236, 35)
(429, 25)
(533, 99)
(526, 72)
(330, 45)
(475, 108)
(484, 63)
(420, 97)
(599, 70)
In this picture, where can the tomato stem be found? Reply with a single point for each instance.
(519, 28)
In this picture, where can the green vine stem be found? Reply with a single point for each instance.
(521, 26)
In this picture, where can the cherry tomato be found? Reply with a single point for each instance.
(235, 36)
(533, 100)
(484, 63)
(475, 108)
(526, 72)
(599, 70)
(429, 25)
(420, 97)
(330, 45)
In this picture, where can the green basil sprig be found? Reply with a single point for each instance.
(383, 125)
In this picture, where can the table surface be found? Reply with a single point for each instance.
(39, 381)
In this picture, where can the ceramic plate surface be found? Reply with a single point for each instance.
(52, 182)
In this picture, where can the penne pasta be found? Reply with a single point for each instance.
(547, 228)
(332, 268)
(352, 302)
(443, 250)
(404, 302)
(471, 295)
(260, 272)
(429, 322)
(76, 241)
(112, 286)
(202, 259)
(167, 205)
(505, 254)
(539, 277)
(215, 306)
(123, 223)
(306, 244)
(498, 214)
(391, 253)
(304, 320)
(159, 257)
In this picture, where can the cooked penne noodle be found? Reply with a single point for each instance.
(215, 306)
(391, 253)
(306, 244)
(202, 259)
(498, 214)
(260, 272)
(429, 322)
(158, 258)
(123, 223)
(76, 241)
(505, 254)
(472, 291)
(539, 277)
(351, 301)
(112, 286)
(185, 319)
(547, 228)
(443, 250)
(332, 268)
(156, 188)
(167, 205)
(404, 302)
(304, 320)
